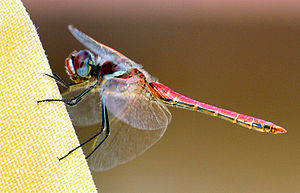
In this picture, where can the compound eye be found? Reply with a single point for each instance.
(83, 62)
(70, 66)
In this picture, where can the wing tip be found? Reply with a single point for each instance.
(71, 26)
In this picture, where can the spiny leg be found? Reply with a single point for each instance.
(97, 134)
(105, 125)
(72, 101)
(105, 121)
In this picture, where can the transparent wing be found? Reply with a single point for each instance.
(87, 111)
(137, 121)
(104, 52)
(123, 144)
(131, 101)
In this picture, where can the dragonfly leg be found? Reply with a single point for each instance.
(97, 134)
(72, 101)
(62, 82)
(105, 121)
(104, 126)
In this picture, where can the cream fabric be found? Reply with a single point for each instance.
(32, 136)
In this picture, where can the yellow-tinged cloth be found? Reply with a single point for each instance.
(32, 136)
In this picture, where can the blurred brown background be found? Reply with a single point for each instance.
(239, 55)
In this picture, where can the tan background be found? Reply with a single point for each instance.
(239, 55)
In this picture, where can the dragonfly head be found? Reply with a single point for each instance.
(80, 65)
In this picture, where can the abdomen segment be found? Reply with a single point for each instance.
(170, 97)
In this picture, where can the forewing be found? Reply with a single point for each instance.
(104, 52)
(87, 111)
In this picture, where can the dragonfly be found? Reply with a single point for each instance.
(114, 91)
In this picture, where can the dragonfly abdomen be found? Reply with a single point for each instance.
(173, 98)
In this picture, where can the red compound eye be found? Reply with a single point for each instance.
(69, 65)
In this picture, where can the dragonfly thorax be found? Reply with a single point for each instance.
(107, 68)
